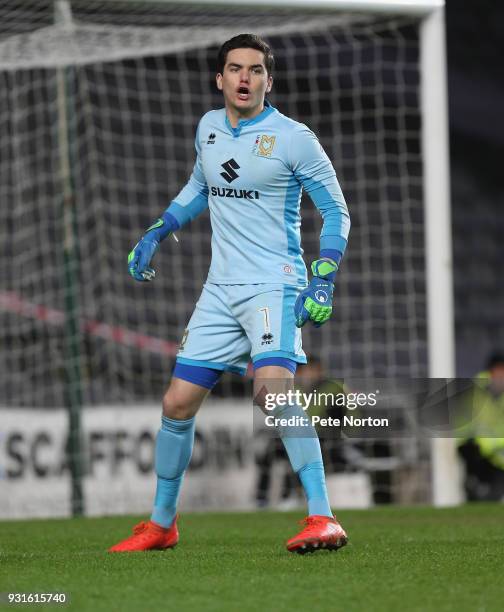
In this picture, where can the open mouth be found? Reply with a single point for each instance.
(243, 93)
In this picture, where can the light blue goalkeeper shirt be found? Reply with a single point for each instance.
(251, 178)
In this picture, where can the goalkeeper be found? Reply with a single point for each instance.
(251, 165)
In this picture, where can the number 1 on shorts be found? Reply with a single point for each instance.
(265, 311)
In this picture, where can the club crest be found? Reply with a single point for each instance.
(264, 145)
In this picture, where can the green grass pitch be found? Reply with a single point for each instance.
(397, 559)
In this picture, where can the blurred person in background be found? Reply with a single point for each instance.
(481, 440)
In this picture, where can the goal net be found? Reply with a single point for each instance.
(99, 102)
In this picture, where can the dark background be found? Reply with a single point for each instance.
(475, 45)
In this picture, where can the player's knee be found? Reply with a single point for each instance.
(176, 406)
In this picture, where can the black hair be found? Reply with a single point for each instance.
(494, 359)
(246, 41)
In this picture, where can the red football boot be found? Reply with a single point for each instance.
(149, 536)
(319, 532)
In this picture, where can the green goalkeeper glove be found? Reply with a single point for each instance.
(315, 302)
(140, 257)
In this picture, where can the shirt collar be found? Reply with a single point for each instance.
(268, 109)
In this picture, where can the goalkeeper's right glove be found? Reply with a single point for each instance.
(142, 253)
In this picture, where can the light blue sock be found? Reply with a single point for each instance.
(174, 444)
(313, 480)
(303, 448)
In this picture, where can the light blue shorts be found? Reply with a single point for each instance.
(233, 323)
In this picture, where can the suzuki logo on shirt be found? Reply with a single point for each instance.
(229, 192)
(230, 166)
